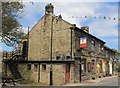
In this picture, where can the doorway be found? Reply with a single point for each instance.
(67, 73)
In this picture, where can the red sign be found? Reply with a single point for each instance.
(83, 45)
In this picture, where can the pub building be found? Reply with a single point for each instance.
(57, 53)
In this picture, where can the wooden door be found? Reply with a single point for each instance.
(67, 73)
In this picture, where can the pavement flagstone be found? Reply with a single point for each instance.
(95, 82)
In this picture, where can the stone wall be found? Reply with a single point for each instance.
(79, 33)
(39, 49)
(77, 71)
(58, 73)
(61, 38)
(26, 74)
(72, 72)
(45, 74)
(40, 38)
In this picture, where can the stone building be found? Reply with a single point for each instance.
(57, 52)
(110, 57)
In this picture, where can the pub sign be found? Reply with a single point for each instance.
(83, 41)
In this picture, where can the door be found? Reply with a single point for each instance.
(110, 68)
(89, 66)
(67, 73)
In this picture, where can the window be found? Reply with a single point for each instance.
(35, 66)
(93, 44)
(68, 56)
(57, 57)
(92, 65)
(106, 53)
(25, 49)
(29, 67)
(100, 47)
(83, 66)
(44, 67)
(113, 56)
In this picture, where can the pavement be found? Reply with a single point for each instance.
(104, 81)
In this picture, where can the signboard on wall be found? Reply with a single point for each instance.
(89, 59)
(83, 41)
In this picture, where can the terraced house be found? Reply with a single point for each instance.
(57, 52)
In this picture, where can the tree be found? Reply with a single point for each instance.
(117, 54)
(117, 63)
(11, 33)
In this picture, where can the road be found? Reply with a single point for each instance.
(104, 81)
(108, 81)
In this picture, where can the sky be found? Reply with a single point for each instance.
(104, 29)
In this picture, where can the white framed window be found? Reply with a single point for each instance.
(106, 53)
(100, 47)
(93, 44)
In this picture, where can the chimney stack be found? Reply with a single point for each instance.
(49, 8)
(85, 28)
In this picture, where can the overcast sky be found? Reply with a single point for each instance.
(105, 29)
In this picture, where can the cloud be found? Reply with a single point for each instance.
(72, 0)
(112, 43)
(31, 14)
(1, 48)
(76, 10)
(32, 25)
(98, 27)
(68, 9)
(103, 28)
(24, 29)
